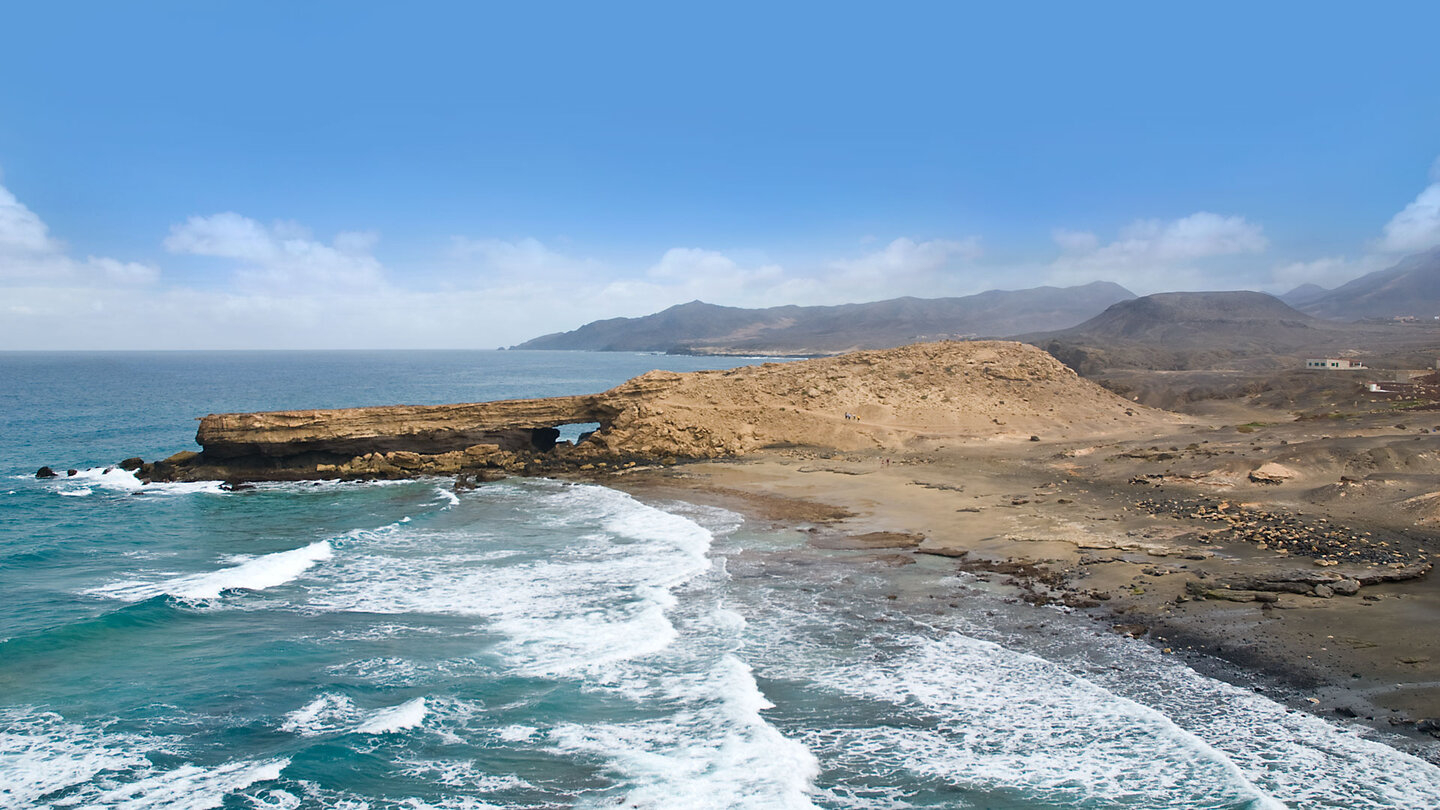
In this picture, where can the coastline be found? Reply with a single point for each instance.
(1047, 534)
(1291, 557)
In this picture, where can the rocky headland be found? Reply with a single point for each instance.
(907, 399)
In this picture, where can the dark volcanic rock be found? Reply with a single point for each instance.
(45, 472)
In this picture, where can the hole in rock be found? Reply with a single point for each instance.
(545, 439)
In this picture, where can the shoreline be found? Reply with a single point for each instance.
(1017, 521)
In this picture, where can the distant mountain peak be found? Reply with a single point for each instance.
(1410, 287)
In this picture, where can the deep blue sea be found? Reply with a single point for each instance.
(540, 644)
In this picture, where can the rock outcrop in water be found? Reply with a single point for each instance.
(906, 398)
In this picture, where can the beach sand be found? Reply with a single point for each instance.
(1141, 532)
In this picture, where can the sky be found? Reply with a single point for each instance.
(463, 175)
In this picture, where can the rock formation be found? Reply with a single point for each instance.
(906, 398)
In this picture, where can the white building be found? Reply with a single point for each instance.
(1334, 364)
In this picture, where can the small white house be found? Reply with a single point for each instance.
(1333, 364)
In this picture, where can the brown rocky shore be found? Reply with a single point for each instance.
(1297, 551)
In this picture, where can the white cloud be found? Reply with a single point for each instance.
(1417, 227)
(1329, 272)
(527, 258)
(1075, 241)
(282, 258)
(1155, 254)
(697, 265)
(905, 257)
(21, 230)
(29, 255)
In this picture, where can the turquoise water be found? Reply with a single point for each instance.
(538, 644)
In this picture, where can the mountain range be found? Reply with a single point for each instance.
(1095, 325)
(701, 328)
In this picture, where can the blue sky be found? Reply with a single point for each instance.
(436, 175)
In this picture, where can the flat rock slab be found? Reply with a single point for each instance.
(872, 540)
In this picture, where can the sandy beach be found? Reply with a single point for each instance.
(1157, 537)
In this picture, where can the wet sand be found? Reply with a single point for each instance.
(1144, 533)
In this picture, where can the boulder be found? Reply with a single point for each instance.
(45, 472)
(1272, 473)
(132, 464)
(1346, 587)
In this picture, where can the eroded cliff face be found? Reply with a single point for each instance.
(895, 399)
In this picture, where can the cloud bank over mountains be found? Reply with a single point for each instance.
(279, 285)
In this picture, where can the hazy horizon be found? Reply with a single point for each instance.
(237, 177)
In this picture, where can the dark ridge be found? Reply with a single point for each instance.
(701, 328)
(1304, 295)
(1196, 330)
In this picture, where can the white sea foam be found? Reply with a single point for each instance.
(601, 597)
(450, 498)
(585, 584)
(254, 574)
(448, 803)
(275, 800)
(190, 787)
(515, 734)
(77, 493)
(984, 717)
(116, 480)
(324, 714)
(409, 714)
(1301, 759)
(113, 479)
(42, 755)
(462, 773)
(332, 713)
(715, 752)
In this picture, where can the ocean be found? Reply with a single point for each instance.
(546, 644)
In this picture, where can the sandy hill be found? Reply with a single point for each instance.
(701, 328)
(1411, 287)
(905, 397)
